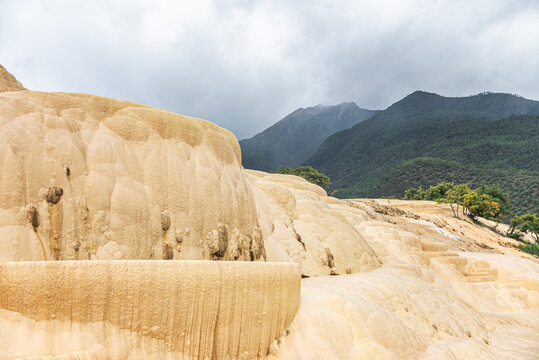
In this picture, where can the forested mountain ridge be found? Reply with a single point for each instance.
(485, 134)
(296, 137)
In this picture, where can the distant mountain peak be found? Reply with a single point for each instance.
(296, 137)
(321, 107)
(422, 92)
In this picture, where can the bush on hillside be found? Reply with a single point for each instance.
(530, 248)
(489, 202)
(524, 224)
(308, 173)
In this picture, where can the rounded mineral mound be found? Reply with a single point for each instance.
(90, 177)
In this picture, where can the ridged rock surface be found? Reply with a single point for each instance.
(96, 178)
(300, 223)
(135, 309)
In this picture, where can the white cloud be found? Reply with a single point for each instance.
(245, 64)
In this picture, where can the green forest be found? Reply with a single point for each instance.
(417, 143)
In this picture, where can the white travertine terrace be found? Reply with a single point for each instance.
(432, 298)
(89, 177)
(142, 309)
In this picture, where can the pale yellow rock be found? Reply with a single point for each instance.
(369, 316)
(8, 82)
(440, 223)
(300, 223)
(430, 300)
(88, 177)
(145, 309)
(98, 176)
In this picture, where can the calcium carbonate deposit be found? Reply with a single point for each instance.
(102, 201)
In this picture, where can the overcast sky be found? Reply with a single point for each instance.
(246, 64)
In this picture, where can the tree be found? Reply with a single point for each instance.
(439, 191)
(496, 194)
(414, 194)
(522, 224)
(486, 201)
(455, 197)
(284, 170)
(308, 173)
(515, 223)
(531, 225)
(480, 205)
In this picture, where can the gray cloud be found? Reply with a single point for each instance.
(245, 64)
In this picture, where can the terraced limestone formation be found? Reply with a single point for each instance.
(92, 178)
(118, 192)
(428, 300)
(88, 177)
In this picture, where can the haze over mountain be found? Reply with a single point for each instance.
(297, 136)
(485, 137)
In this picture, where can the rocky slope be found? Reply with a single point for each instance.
(124, 191)
(87, 177)
(8, 82)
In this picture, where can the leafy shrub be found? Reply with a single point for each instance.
(530, 248)
(531, 224)
(483, 201)
(415, 194)
(480, 205)
(523, 224)
(308, 173)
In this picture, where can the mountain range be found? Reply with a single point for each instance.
(426, 138)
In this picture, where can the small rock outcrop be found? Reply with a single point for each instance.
(8, 82)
